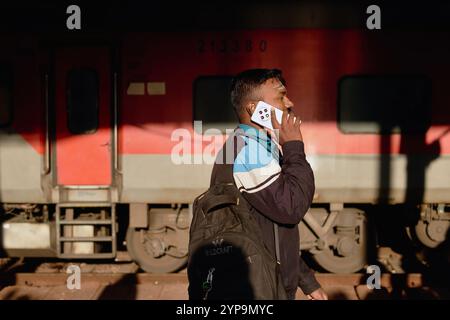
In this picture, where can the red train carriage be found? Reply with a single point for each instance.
(98, 136)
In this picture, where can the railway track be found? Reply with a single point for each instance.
(144, 286)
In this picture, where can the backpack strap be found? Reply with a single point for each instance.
(277, 242)
(219, 200)
(223, 171)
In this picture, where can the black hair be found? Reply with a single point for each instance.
(245, 83)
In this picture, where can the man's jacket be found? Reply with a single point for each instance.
(279, 187)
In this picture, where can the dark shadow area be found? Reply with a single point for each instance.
(437, 274)
(402, 288)
(420, 155)
(10, 266)
(392, 217)
(14, 295)
(8, 277)
(433, 282)
(122, 214)
(124, 289)
(2, 251)
(391, 221)
(384, 166)
(137, 15)
(222, 273)
(337, 296)
(395, 287)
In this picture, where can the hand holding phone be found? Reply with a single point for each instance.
(288, 127)
(263, 115)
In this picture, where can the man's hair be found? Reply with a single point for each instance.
(245, 84)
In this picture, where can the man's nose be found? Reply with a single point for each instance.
(288, 103)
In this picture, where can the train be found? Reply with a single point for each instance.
(106, 138)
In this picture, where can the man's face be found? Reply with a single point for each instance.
(274, 93)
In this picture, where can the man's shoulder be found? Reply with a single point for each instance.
(252, 155)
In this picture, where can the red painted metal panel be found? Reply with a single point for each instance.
(312, 60)
(83, 159)
(320, 139)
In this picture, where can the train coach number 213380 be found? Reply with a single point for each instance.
(231, 46)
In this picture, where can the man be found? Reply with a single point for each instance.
(273, 176)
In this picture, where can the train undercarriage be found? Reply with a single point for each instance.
(337, 238)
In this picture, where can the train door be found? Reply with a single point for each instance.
(83, 116)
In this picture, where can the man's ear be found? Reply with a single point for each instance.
(250, 107)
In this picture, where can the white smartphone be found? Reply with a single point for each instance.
(262, 114)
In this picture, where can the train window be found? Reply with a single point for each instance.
(212, 103)
(384, 104)
(5, 96)
(82, 101)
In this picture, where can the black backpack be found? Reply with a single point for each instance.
(227, 257)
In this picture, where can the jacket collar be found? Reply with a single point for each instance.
(260, 136)
(257, 134)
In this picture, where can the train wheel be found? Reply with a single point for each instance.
(346, 244)
(157, 251)
(432, 227)
(431, 234)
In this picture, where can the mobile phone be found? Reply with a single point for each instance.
(262, 114)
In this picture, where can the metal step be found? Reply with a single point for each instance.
(86, 230)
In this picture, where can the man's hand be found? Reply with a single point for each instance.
(289, 129)
(318, 294)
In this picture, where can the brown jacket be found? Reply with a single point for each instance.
(280, 189)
